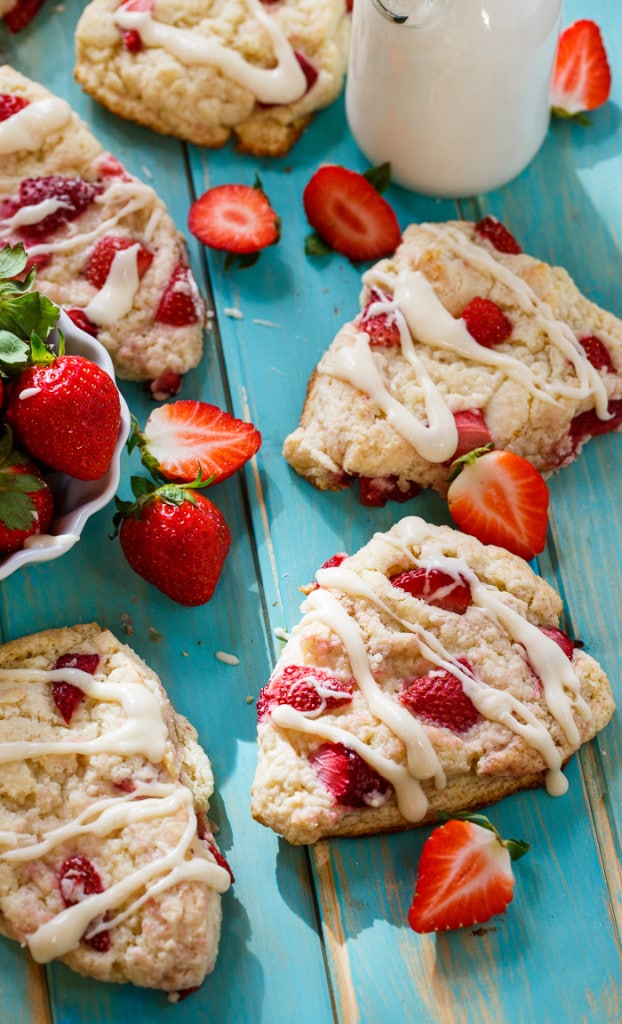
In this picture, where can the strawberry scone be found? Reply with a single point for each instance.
(107, 859)
(428, 675)
(205, 72)
(104, 245)
(462, 340)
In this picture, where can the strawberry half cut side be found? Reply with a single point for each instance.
(582, 76)
(465, 875)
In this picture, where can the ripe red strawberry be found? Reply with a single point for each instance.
(103, 253)
(439, 698)
(465, 875)
(308, 69)
(167, 385)
(74, 194)
(330, 563)
(132, 39)
(78, 879)
(65, 695)
(436, 587)
(11, 104)
(486, 322)
(582, 77)
(349, 215)
(374, 492)
(561, 639)
(348, 777)
(235, 218)
(26, 501)
(82, 321)
(180, 305)
(304, 688)
(588, 424)
(498, 235)
(186, 437)
(597, 353)
(382, 328)
(175, 538)
(66, 413)
(472, 431)
(21, 14)
(500, 498)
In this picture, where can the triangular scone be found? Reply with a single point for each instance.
(206, 72)
(428, 675)
(107, 859)
(458, 344)
(105, 247)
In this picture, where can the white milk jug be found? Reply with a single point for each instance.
(454, 93)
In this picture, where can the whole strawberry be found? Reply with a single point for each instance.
(66, 412)
(26, 502)
(175, 538)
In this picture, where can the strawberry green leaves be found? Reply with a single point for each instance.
(26, 315)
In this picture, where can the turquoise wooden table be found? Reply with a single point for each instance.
(319, 935)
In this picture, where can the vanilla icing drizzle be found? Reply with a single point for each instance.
(560, 684)
(141, 729)
(283, 83)
(29, 127)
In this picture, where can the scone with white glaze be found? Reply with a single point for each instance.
(104, 245)
(107, 858)
(206, 72)
(462, 340)
(428, 674)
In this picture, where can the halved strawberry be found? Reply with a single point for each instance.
(103, 253)
(349, 214)
(500, 498)
(465, 875)
(187, 437)
(582, 76)
(235, 218)
(21, 14)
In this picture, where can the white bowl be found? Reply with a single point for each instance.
(75, 500)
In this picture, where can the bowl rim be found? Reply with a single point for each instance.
(67, 529)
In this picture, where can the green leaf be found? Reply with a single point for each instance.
(241, 261)
(13, 260)
(14, 352)
(316, 246)
(379, 177)
(17, 507)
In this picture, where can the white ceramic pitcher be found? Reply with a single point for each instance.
(454, 93)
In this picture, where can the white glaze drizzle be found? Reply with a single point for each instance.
(283, 83)
(561, 686)
(116, 297)
(142, 731)
(29, 127)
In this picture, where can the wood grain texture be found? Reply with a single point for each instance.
(321, 936)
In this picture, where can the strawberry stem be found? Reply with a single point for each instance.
(468, 459)
(516, 848)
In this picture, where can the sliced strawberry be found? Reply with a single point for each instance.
(472, 431)
(597, 353)
(189, 436)
(582, 76)
(236, 218)
(382, 328)
(500, 498)
(438, 697)
(436, 587)
(65, 695)
(22, 14)
(74, 196)
(304, 688)
(349, 778)
(103, 253)
(465, 876)
(310, 72)
(180, 304)
(561, 639)
(498, 235)
(588, 424)
(347, 212)
(11, 104)
(486, 322)
(374, 492)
